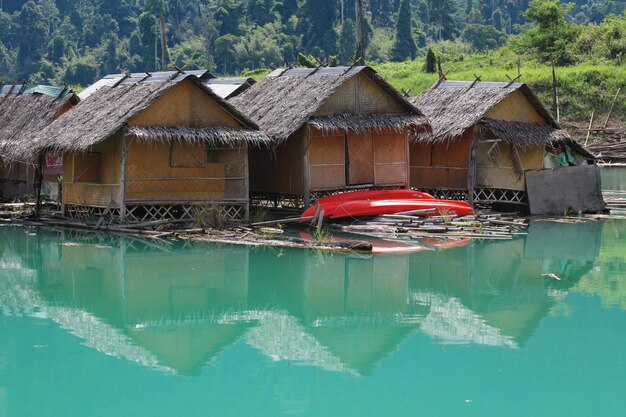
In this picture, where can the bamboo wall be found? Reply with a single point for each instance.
(93, 179)
(515, 107)
(442, 165)
(184, 105)
(150, 176)
(499, 172)
(359, 95)
(373, 158)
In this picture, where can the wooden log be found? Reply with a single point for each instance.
(283, 221)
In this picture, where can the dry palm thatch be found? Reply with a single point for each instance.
(108, 111)
(283, 103)
(213, 137)
(22, 117)
(373, 122)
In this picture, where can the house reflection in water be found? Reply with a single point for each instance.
(179, 306)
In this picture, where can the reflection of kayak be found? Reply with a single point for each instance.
(379, 246)
(365, 208)
(329, 203)
(446, 243)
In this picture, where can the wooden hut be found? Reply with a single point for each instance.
(332, 129)
(25, 111)
(154, 147)
(486, 136)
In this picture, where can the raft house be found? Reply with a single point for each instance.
(494, 143)
(332, 129)
(152, 147)
(24, 111)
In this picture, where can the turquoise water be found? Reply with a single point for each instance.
(93, 325)
(614, 182)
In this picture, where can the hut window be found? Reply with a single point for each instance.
(87, 167)
(184, 155)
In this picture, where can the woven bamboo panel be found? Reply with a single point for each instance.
(433, 177)
(420, 154)
(531, 158)
(495, 177)
(360, 159)
(110, 167)
(515, 107)
(328, 149)
(374, 100)
(153, 161)
(359, 95)
(236, 189)
(390, 147)
(233, 159)
(184, 105)
(90, 194)
(459, 153)
(391, 174)
(87, 167)
(439, 156)
(188, 155)
(175, 190)
(326, 177)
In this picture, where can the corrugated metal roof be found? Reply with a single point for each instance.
(60, 92)
(229, 87)
(320, 71)
(143, 77)
(466, 84)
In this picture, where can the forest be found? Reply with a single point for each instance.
(78, 41)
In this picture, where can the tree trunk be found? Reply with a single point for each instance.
(360, 32)
(165, 56)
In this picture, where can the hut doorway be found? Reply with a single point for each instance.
(359, 158)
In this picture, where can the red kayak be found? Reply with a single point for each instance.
(365, 208)
(374, 195)
(330, 203)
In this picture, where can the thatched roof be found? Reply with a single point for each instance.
(213, 137)
(108, 110)
(455, 106)
(25, 115)
(284, 101)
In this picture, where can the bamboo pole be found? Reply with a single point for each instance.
(589, 129)
(606, 122)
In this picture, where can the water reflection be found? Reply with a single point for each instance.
(177, 307)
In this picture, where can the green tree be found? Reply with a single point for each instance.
(32, 38)
(147, 33)
(430, 66)
(441, 18)
(483, 37)
(552, 35)
(317, 19)
(404, 47)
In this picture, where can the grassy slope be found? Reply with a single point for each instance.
(582, 88)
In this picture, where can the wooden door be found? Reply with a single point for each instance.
(360, 159)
